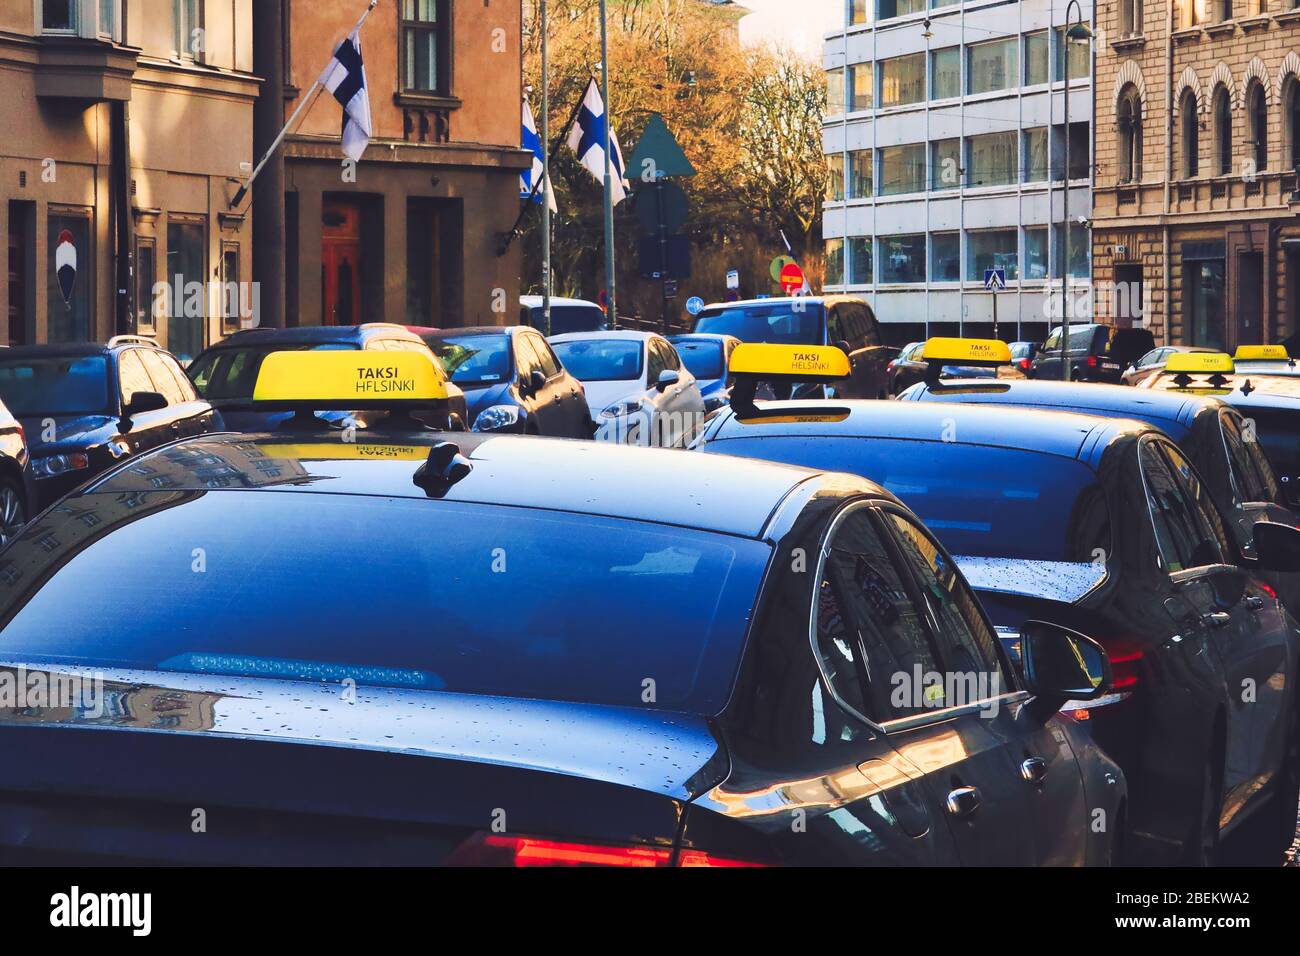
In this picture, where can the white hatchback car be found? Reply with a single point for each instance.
(638, 389)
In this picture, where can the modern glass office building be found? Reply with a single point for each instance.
(946, 136)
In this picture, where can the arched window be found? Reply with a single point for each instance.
(1190, 119)
(1129, 114)
(1222, 132)
(1291, 122)
(1258, 118)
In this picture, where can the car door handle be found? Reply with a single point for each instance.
(1034, 769)
(1217, 618)
(963, 801)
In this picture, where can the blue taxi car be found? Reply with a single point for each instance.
(1103, 525)
(719, 696)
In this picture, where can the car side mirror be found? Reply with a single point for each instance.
(844, 347)
(1062, 664)
(1277, 546)
(142, 402)
(667, 379)
(536, 381)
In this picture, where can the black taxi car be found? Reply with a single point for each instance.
(1105, 526)
(756, 678)
(86, 406)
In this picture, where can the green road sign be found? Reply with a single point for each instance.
(658, 154)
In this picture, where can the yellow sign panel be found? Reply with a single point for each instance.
(1261, 353)
(1200, 363)
(346, 451)
(806, 362)
(984, 351)
(338, 379)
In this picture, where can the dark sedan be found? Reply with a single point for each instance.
(1097, 353)
(1102, 525)
(513, 381)
(85, 407)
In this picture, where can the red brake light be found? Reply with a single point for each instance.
(491, 849)
(1266, 589)
(1025, 364)
(1125, 662)
(1092, 361)
(890, 366)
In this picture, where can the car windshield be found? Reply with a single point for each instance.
(473, 359)
(980, 500)
(58, 385)
(1081, 338)
(231, 373)
(767, 323)
(702, 359)
(429, 611)
(602, 360)
(570, 318)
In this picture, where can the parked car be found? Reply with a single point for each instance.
(17, 496)
(812, 320)
(910, 368)
(567, 315)
(708, 357)
(513, 381)
(1097, 353)
(87, 406)
(226, 372)
(1023, 355)
(1154, 361)
(637, 388)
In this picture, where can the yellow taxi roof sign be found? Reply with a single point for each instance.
(1200, 363)
(967, 351)
(1261, 353)
(350, 379)
(807, 363)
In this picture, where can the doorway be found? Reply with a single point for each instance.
(340, 262)
(1250, 299)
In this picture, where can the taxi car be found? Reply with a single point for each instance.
(1214, 436)
(85, 406)
(1102, 525)
(1269, 403)
(718, 696)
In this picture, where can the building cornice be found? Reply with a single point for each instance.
(400, 152)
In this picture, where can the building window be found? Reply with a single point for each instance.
(110, 19)
(945, 257)
(1257, 108)
(945, 73)
(860, 86)
(231, 299)
(1291, 120)
(1222, 132)
(992, 249)
(1080, 250)
(902, 259)
(860, 261)
(992, 66)
(1204, 302)
(59, 16)
(902, 169)
(1130, 17)
(991, 159)
(1080, 139)
(70, 293)
(1037, 157)
(945, 164)
(1190, 119)
(835, 92)
(834, 262)
(147, 307)
(860, 174)
(186, 269)
(1129, 113)
(1036, 252)
(1080, 56)
(859, 12)
(902, 80)
(187, 26)
(1222, 10)
(900, 8)
(835, 177)
(1037, 58)
(424, 46)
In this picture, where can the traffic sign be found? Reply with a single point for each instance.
(792, 277)
(658, 154)
(670, 288)
(733, 279)
(661, 206)
(695, 305)
(995, 280)
(778, 264)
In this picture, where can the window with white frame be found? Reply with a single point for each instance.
(902, 80)
(992, 66)
(187, 28)
(992, 249)
(59, 16)
(991, 159)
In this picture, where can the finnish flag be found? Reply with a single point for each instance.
(345, 77)
(587, 139)
(532, 142)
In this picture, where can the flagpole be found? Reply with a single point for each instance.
(546, 178)
(303, 105)
(612, 298)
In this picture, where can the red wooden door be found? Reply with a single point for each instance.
(340, 263)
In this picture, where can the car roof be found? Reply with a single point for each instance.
(314, 334)
(480, 330)
(535, 302)
(60, 349)
(630, 335)
(779, 299)
(703, 337)
(1163, 409)
(712, 492)
(1066, 434)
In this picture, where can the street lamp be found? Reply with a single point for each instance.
(1076, 31)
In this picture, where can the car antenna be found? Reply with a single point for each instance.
(444, 467)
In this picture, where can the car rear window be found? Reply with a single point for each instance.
(781, 323)
(702, 359)
(473, 359)
(58, 385)
(569, 318)
(602, 360)
(979, 500)
(407, 593)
